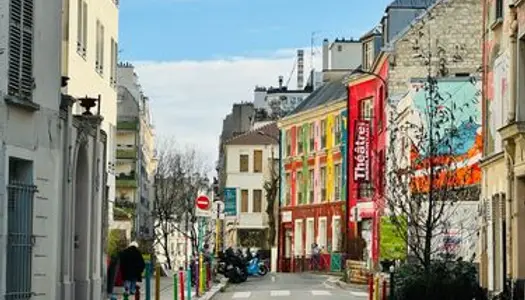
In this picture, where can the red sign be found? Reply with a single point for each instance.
(362, 151)
(203, 202)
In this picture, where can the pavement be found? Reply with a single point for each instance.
(291, 286)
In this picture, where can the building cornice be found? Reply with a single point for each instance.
(313, 113)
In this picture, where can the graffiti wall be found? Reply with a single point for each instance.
(451, 125)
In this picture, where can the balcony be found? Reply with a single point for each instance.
(123, 210)
(126, 153)
(126, 180)
(128, 125)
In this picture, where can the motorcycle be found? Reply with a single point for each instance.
(255, 265)
(232, 266)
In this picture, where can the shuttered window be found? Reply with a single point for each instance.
(20, 69)
(243, 163)
(114, 62)
(82, 15)
(99, 62)
(257, 201)
(257, 161)
(244, 201)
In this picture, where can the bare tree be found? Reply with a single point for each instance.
(179, 178)
(432, 163)
(271, 186)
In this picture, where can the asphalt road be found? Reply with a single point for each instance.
(298, 286)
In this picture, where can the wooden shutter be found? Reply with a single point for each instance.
(243, 163)
(244, 201)
(20, 68)
(257, 201)
(257, 161)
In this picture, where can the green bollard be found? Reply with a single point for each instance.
(188, 284)
(148, 280)
(175, 286)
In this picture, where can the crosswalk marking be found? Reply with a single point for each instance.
(279, 293)
(359, 294)
(321, 293)
(241, 295)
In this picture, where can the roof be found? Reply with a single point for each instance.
(410, 4)
(374, 31)
(267, 134)
(327, 93)
(431, 5)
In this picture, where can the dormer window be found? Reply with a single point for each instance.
(367, 55)
(339, 48)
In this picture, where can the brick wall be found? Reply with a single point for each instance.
(455, 26)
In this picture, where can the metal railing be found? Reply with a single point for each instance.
(20, 240)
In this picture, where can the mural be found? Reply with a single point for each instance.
(458, 110)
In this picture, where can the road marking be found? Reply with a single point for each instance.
(241, 295)
(279, 293)
(359, 294)
(273, 278)
(321, 293)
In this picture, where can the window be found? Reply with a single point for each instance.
(298, 238)
(339, 48)
(499, 9)
(312, 136)
(311, 179)
(288, 143)
(366, 54)
(323, 184)
(366, 191)
(257, 201)
(337, 130)
(114, 62)
(20, 68)
(323, 133)
(337, 183)
(257, 161)
(243, 162)
(366, 111)
(310, 235)
(244, 201)
(381, 102)
(288, 190)
(299, 187)
(299, 140)
(99, 61)
(82, 22)
(321, 236)
(336, 233)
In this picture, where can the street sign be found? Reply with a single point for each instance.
(218, 210)
(203, 202)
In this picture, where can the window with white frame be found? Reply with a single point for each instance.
(311, 179)
(337, 130)
(114, 62)
(99, 60)
(323, 133)
(288, 187)
(299, 187)
(336, 233)
(310, 235)
(298, 238)
(366, 55)
(82, 30)
(311, 134)
(322, 232)
(337, 183)
(323, 183)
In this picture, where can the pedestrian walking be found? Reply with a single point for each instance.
(131, 267)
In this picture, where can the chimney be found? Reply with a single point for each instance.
(280, 82)
(300, 69)
(325, 55)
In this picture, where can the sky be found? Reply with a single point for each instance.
(195, 58)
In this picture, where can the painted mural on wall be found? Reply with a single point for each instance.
(458, 111)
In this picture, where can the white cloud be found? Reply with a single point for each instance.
(189, 99)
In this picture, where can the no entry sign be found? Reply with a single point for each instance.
(203, 202)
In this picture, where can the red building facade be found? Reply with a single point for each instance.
(367, 96)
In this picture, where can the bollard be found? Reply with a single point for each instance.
(175, 286)
(384, 290)
(148, 280)
(181, 284)
(137, 292)
(157, 281)
(188, 284)
(377, 288)
(201, 277)
(392, 284)
(371, 287)
(204, 278)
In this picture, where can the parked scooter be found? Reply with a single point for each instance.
(255, 266)
(232, 266)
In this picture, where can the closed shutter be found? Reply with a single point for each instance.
(20, 72)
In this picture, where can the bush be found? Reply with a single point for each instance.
(117, 241)
(450, 280)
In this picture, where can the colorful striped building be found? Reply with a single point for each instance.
(313, 175)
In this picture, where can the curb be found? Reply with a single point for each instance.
(212, 292)
(345, 285)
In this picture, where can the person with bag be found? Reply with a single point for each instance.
(131, 267)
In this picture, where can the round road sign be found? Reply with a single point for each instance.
(203, 202)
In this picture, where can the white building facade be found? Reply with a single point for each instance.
(248, 158)
(51, 165)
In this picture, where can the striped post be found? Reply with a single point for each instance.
(188, 284)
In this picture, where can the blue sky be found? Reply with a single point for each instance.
(195, 58)
(207, 29)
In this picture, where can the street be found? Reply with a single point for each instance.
(289, 286)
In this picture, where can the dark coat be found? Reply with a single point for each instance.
(131, 264)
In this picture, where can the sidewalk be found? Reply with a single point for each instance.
(167, 290)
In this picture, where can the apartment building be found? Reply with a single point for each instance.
(136, 164)
(248, 162)
(51, 164)
(89, 60)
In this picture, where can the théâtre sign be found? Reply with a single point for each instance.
(362, 151)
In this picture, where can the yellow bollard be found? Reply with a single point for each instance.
(201, 274)
(157, 281)
(377, 289)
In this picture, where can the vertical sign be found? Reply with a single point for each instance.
(361, 151)
(230, 201)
